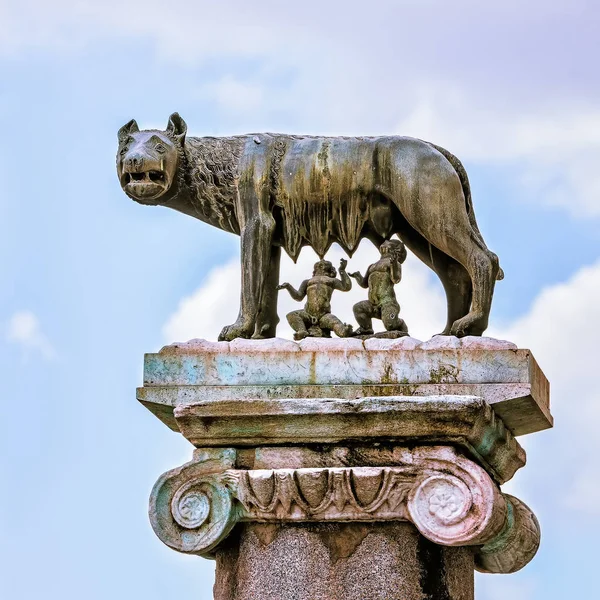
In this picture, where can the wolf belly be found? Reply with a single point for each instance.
(331, 189)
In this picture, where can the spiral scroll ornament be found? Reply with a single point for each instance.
(517, 543)
(191, 511)
(457, 508)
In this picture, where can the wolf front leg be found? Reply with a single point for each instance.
(267, 320)
(256, 256)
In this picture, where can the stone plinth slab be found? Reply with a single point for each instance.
(464, 421)
(507, 378)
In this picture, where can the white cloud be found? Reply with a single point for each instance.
(235, 96)
(212, 306)
(23, 330)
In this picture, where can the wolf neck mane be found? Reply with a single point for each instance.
(206, 186)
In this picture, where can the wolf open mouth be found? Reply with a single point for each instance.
(145, 177)
(145, 185)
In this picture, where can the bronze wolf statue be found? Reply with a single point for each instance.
(285, 191)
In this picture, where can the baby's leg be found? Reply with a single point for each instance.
(298, 320)
(334, 324)
(364, 313)
(391, 317)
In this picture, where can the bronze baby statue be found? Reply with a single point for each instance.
(316, 320)
(380, 279)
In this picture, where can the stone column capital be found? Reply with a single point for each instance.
(450, 499)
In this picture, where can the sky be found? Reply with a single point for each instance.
(92, 280)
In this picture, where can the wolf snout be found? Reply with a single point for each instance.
(134, 163)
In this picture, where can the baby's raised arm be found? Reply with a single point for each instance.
(345, 283)
(296, 294)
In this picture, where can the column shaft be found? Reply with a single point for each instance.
(340, 561)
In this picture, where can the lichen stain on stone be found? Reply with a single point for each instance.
(487, 443)
(444, 374)
(246, 458)
(247, 176)
(388, 376)
(323, 157)
(406, 388)
(312, 373)
(342, 540)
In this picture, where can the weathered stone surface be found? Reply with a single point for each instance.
(462, 420)
(197, 345)
(340, 561)
(401, 343)
(266, 345)
(438, 342)
(441, 342)
(508, 379)
(514, 403)
(384, 335)
(515, 545)
(473, 342)
(191, 508)
(327, 345)
(451, 500)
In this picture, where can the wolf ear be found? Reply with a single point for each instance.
(177, 127)
(127, 129)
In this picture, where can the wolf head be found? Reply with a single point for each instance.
(147, 160)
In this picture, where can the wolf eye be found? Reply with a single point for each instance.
(160, 148)
(124, 149)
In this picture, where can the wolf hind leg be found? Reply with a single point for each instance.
(453, 276)
(459, 290)
(483, 269)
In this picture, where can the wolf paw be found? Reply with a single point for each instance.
(237, 330)
(471, 324)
